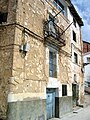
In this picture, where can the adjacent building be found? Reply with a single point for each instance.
(76, 56)
(40, 59)
(86, 65)
(86, 47)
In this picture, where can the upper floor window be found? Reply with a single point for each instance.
(74, 22)
(53, 29)
(75, 78)
(58, 5)
(3, 17)
(74, 36)
(52, 24)
(52, 64)
(64, 90)
(75, 58)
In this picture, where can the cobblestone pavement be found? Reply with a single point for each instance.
(81, 114)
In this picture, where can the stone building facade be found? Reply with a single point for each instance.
(35, 59)
(77, 60)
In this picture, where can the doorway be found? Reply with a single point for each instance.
(51, 94)
(75, 94)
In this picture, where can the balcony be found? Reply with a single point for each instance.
(53, 34)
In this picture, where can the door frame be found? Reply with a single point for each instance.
(50, 102)
(75, 94)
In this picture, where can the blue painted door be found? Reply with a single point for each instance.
(50, 104)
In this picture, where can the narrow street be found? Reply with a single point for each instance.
(82, 114)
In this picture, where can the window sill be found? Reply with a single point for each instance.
(53, 78)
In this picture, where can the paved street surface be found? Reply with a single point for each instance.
(81, 114)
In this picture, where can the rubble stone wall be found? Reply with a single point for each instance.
(6, 60)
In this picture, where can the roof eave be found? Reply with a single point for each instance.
(76, 15)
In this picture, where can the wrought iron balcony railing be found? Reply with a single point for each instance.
(53, 34)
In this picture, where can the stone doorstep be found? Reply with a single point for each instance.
(68, 114)
(54, 119)
(77, 109)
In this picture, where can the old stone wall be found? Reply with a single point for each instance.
(28, 81)
(12, 6)
(30, 13)
(6, 59)
(3, 5)
(29, 72)
(7, 35)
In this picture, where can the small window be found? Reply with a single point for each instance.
(64, 90)
(74, 22)
(74, 36)
(75, 78)
(52, 64)
(88, 59)
(3, 17)
(75, 58)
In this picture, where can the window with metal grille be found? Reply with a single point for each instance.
(64, 90)
(75, 58)
(52, 64)
(74, 36)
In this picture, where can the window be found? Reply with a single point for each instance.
(74, 22)
(52, 25)
(52, 64)
(58, 5)
(74, 36)
(75, 78)
(75, 58)
(64, 90)
(88, 59)
(3, 17)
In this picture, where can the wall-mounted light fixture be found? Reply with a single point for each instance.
(24, 48)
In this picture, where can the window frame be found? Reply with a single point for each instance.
(75, 77)
(74, 36)
(75, 58)
(64, 90)
(53, 63)
(74, 22)
(88, 59)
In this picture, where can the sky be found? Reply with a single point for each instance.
(83, 9)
